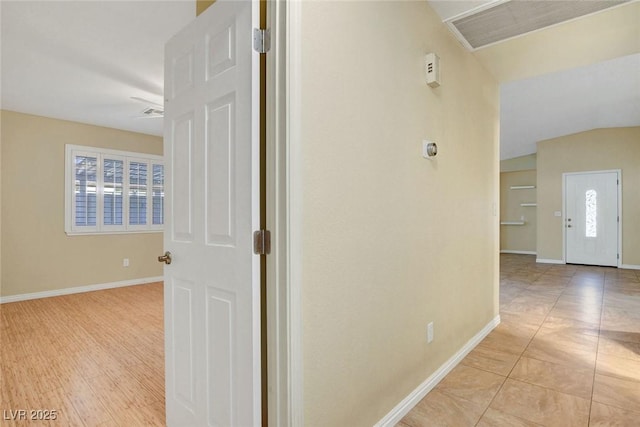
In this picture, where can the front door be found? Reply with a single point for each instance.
(591, 221)
(212, 286)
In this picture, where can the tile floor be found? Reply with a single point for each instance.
(567, 353)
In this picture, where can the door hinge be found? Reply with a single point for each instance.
(261, 40)
(618, 256)
(262, 242)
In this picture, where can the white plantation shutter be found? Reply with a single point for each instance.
(113, 191)
(110, 191)
(85, 186)
(138, 192)
(157, 192)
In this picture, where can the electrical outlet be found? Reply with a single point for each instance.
(125, 262)
(429, 332)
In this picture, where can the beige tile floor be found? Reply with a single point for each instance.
(566, 353)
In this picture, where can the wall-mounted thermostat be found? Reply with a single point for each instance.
(429, 149)
(432, 63)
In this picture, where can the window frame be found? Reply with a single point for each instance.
(71, 229)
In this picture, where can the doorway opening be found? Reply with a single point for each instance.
(591, 203)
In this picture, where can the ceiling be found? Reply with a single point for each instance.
(575, 76)
(491, 22)
(605, 94)
(86, 60)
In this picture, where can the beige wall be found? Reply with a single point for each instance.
(202, 5)
(599, 37)
(600, 149)
(521, 238)
(37, 255)
(390, 241)
(521, 163)
(1, 202)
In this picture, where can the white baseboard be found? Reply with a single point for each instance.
(506, 251)
(79, 289)
(549, 261)
(403, 408)
(630, 266)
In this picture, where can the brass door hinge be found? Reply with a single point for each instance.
(262, 242)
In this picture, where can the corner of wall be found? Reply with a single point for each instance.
(518, 205)
(63, 261)
(1, 195)
(376, 213)
(522, 163)
(584, 150)
(202, 5)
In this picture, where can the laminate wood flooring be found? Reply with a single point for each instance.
(96, 359)
(567, 353)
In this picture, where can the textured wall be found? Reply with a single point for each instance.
(390, 241)
(518, 237)
(599, 149)
(37, 255)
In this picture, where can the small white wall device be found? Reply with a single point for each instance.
(432, 67)
(429, 149)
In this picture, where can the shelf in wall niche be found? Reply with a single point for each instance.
(522, 187)
(532, 204)
(512, 223)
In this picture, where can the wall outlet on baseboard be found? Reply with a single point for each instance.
(125, 262)
(429, 332)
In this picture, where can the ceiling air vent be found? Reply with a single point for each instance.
(152, 112)
(502, 20)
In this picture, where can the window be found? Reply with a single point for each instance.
(591, 213)
(110, 191)
(138, 184)
(158, 195)
(113, 191)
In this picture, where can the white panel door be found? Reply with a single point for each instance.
(591, 222)
(212, 288)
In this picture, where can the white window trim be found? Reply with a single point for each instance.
(69, 195)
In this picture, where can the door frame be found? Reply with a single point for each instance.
(284, 374)
(618, 172)
(240, 329)
(283, 216)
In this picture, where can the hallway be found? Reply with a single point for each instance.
(567, 353)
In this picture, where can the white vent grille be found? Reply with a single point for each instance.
(153, 112)
(517, 17)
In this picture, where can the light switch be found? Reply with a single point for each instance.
(557, 213)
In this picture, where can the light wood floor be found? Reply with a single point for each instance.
(96, 358)
(567, 353)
